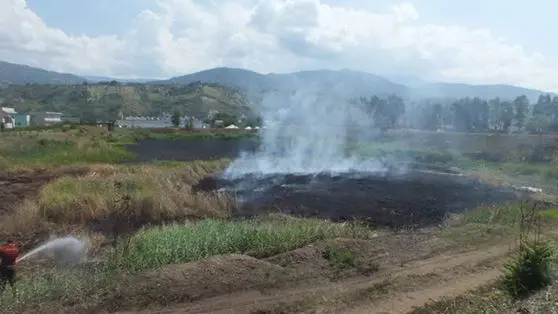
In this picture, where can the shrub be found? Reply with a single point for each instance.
(340, 258)
(530, 270)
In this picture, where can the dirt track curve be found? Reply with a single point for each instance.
(412, 285)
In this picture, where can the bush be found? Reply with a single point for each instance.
(530, 270)
(340, 258)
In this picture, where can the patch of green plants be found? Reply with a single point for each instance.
(53, 148)
(340, 258)
(191, 241)
(80, 287)
(531, 269)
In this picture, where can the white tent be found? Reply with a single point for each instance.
(248, 128)
(232, 126)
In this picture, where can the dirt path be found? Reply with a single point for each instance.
(405, 302)
(407, 287)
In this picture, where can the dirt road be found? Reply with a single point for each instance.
(396, 289)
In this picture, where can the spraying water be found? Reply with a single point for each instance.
(67, 250)
(307, 132)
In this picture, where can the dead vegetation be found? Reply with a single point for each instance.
(114, 200)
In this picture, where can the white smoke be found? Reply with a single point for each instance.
(307, 132)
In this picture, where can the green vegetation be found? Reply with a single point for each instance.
(72, 146)
(175, 119)
(91, 102)
(530, 270)
(340, 258)
(153, 247)
(150, 248)
(81, 287)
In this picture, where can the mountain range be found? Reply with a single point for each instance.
(345, 82)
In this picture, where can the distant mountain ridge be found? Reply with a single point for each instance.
(344, 82)
(351, 83)
(12, 73)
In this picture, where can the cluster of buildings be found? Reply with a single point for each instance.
(9, 118)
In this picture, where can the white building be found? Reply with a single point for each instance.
(46, 118)
(7, 117)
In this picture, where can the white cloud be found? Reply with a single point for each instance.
(275, 36)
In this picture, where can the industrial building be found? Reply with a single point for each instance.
(46, 118)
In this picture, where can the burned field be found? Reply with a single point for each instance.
(417, 198)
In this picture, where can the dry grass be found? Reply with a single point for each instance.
(140, 194)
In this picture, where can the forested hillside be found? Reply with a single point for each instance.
(111, 100)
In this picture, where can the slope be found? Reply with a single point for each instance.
(11, 73)
(109, 101)
(346, 82)
(455, 90)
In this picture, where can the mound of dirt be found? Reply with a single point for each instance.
(394, 200)
(197, 280)
(312, 261)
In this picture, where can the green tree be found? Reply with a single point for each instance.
(190, 123)
(175, 118)
(521, 106)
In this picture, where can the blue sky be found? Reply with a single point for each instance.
(456, 41)
(93, 18)
(530, 23)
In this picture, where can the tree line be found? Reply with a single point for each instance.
(465, 114)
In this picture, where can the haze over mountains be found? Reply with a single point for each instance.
(346, 82)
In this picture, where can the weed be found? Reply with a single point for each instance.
(340, 258)
(71, 287)
(530, 270)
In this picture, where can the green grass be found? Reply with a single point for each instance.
(54, 148)
(486, 224)
(71, 287)
(155, 247)
(551, 213)
(80, 145)
(402, 151)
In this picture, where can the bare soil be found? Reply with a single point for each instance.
(301, 281)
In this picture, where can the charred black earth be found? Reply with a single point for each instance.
(414, 199)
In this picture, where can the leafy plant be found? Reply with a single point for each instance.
(340, 258)
(531, 269)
